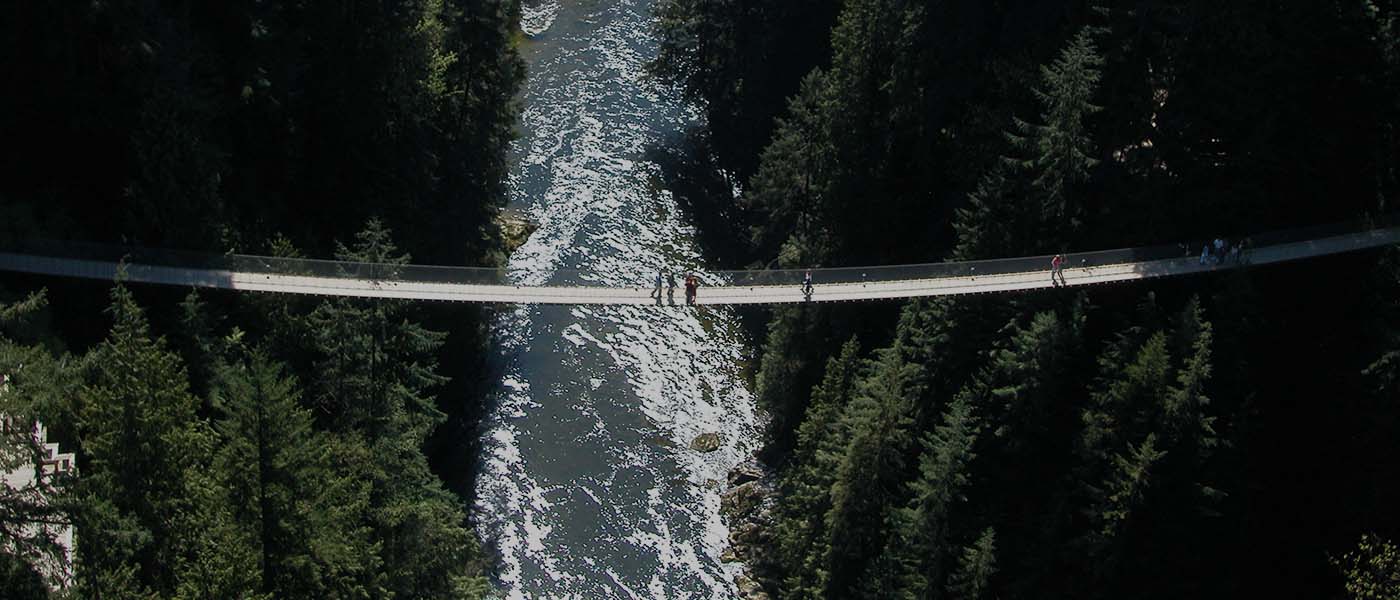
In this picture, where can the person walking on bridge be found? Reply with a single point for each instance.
(692, 285)
(807, 286)
(656, 291)
(1057, 270)
(671, 288)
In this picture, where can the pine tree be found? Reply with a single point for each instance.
(921, 541)
(791, 354)
(33, 385)
(1059, 152)
(806, 487)
(377, 365)
(1147, 442)
(272, 467)
(870, 473)
(376, 369)
(973, 578)
(145, 493)
(792, 184)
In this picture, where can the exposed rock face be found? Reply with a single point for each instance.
(747, 505)
(515, 229)
(706, 442)
(739, 503)
(745, 473)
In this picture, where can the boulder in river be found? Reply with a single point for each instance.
(738, 503)
(744, 473)
(706, 442)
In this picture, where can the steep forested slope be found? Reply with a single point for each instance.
(1220, 436)
(237, 446)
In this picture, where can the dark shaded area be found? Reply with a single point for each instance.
(277, 128)
(1214, 436)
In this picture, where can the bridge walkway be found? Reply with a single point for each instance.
(967, 283)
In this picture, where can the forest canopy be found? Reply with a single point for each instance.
(238, 446)
(1221, 436)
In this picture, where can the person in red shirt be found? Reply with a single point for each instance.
(692, 285)
(1057, 266)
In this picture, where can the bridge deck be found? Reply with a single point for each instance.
(761, 294)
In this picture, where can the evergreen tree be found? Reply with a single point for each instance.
(792, 351)
(978, 563)
(32, 383)
(921, 541)
(807, 481)
(1147, 434)
(870, 473)
(375, 368)
(147, 505)
(272, 467)
(1059, 152)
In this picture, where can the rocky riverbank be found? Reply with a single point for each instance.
(747, 504)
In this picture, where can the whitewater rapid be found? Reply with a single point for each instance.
(589, 488)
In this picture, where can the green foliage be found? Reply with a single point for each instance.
(869, 476)
(19, 580)
(142, 503)
(1060, 151)
(785, 375)
(811, 471)
(1107, 427)
(978, 563)
(276, 475)
(259, 127)
(740, 60)
(376, 365)
(31, 516)
(1372, 569)
(921, 542)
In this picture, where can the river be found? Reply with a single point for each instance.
(589, 487)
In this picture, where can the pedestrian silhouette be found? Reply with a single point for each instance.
(1057, 270)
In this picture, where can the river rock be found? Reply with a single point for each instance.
(738, 503)
(748, 588)
(515, 229)
(744, 473)
(745, 536)
(706, 442)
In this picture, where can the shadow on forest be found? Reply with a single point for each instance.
(705, 193)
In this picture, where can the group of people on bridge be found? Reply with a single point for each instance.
(692, 287)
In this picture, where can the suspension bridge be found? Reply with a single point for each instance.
(463, 284)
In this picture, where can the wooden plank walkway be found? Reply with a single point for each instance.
(716, 295)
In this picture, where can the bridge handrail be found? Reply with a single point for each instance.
(247, 263)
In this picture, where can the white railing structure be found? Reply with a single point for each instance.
(465, 284)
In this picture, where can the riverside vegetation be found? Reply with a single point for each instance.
(1223, 436)
(237, 446)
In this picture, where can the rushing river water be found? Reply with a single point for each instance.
(589, 487)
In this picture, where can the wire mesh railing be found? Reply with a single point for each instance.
(335, 269)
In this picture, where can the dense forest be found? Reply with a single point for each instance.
(1224, 436)
(239, 446)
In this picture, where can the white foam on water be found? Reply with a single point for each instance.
(588, 487)
(537, 17)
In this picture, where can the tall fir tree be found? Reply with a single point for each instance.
(871, 472)
(811, 470)
(148, 512)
